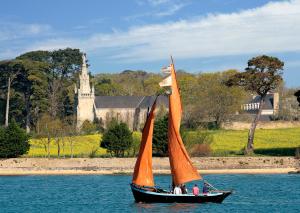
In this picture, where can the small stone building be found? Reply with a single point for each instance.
(270, 107)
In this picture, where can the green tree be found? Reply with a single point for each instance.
(14, 141)
(50, 128)
(105, 86)
(9, 73)
(190, 99)
(117, 139)
(160, 136)
(27, 78)
(70, 131)
(137, 137)
(41, 81)
(62, 73)
(128, 82)
(207, 100)
(262, 75)
(88, 127)
(132, 81)
(32, 84)
(2, 109)
(63, 63)
(219, 101)
(151, 84)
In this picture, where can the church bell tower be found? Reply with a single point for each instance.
(86, 96)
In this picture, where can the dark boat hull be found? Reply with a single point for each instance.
(152, 196)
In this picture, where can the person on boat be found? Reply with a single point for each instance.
(205, 189)
(177, 190)
(173, 186)
(195, 190)
(183, 189)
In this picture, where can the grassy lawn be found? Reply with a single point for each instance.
(225, 143)
(266, 141)
(83, 145)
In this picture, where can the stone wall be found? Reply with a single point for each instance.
(125, 115)
(127, 164)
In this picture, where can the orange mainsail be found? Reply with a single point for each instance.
(181, 165)
(143, 175)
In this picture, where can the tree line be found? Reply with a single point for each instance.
(37, 83)
(42, 82)
(37, 91)
(214, 97)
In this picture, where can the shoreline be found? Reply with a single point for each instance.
(18, 172)
(125, 166)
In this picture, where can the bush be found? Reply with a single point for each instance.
(88, 127)
(160, 136)
(137, 137)
(200, 150)
(99, 126)
(198, 143)
(117, 139)
(14, 141)
(196, 137)
(93, 152)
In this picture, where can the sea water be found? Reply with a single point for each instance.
(111, 193)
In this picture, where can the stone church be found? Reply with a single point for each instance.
(131, 110)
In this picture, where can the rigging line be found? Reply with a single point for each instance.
(206, 182)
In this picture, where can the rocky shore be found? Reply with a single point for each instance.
(205, 165)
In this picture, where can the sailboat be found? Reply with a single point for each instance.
(182, 169)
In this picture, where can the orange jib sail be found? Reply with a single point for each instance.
(181, 165)
(143, 175)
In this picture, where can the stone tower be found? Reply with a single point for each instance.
(86, 96)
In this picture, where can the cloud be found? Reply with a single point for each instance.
(170, 10)
(159, 12)
(273, 27)
(12, 30)
(153, 3)
(157, 2)
(90, 24)
(14, 34)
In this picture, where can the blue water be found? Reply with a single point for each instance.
(107, 193)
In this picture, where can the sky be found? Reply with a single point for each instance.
(116, 35)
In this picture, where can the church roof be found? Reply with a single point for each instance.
(149, 100)
(128, 101)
